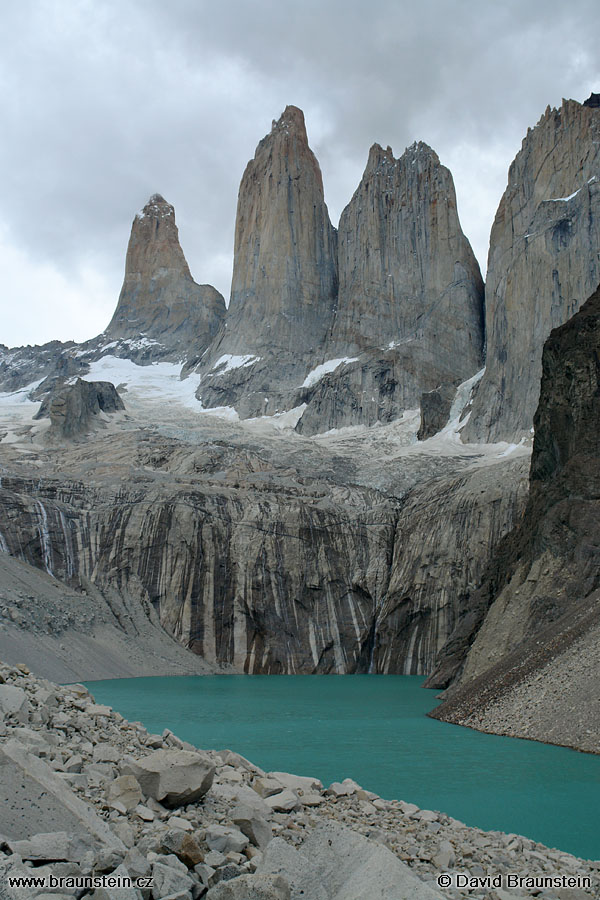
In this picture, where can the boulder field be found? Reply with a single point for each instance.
(84, 794)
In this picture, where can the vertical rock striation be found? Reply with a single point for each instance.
(159, 299)
(284, 281)
(410, 306)
(544, 260)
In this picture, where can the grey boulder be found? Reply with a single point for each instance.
(335, 863)
(173, 777)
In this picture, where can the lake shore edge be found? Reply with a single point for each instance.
(89, 750)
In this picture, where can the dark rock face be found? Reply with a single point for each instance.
(548, 565)
(593, 101)
(435, 410)
(284, 282)
(159, 301)
(544, 261)
(71, 407)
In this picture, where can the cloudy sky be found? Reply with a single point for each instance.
(104, 102)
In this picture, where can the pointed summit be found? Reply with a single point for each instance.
(284, 282)
(291, 121)
(284, 271)
(159, 299)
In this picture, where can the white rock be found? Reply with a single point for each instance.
(14, 702)
(125, 790)
(285, 801)
(297, 782)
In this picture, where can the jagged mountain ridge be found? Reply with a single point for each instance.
(406, 316)
(389, 605)
(287, 318)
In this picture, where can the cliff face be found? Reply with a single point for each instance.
(160, 301)
(266, 555)
(544, 261)
(410, 307)
(408, 310)
(407, 272)
(284, 281)
(543, 584)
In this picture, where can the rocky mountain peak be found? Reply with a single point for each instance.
(284, 280)
(405, 265)
(156, 205)
(159, 299)
(291, 121)
(544, 260)
(154, 246)
(409, 316)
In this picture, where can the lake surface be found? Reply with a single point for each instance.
(373, 728)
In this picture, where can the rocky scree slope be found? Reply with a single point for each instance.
(99, 795)
(69, 634)
(539, 601)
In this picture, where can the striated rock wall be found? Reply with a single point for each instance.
(265, 567)
(268, 582)
(544, 261)
(446, 531)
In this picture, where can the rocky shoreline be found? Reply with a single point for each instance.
(86, 794)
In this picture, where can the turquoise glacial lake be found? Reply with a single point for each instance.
(373, 728)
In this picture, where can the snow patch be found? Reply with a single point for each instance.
(325, 368)
(563, 199)
(228, 362)
(574, 194)
(158, 381)
(287, 419)
(221, 412)
(511, 449)
(17, 410)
